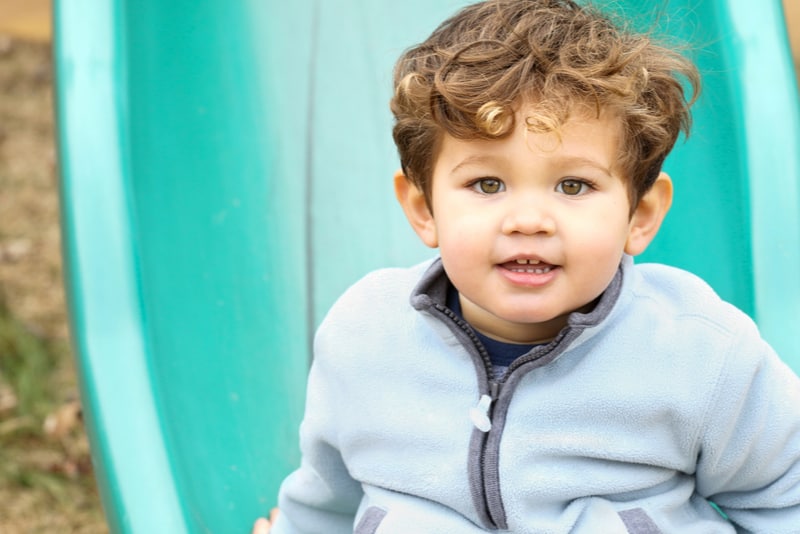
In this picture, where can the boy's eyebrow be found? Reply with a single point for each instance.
(581, 161)
(562, 161)
(473, 159)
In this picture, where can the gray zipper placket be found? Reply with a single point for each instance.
(484, 455)
(478, 442)
(502, 392)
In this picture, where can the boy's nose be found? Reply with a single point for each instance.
(528, 218)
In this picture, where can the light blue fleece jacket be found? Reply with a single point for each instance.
(631, 421)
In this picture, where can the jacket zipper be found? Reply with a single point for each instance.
(496, 514)
(482, 413)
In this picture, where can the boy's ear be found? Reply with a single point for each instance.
(412, 200)
(649, 214)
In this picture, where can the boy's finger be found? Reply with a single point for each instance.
(273, 515)
(261, 526)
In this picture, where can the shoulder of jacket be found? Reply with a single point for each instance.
(382, 294)
(698, 328)
(381, 284)
(689, 303)
(683, 292)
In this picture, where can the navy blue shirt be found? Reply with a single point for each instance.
(501, 353)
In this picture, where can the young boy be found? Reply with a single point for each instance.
(532, 378)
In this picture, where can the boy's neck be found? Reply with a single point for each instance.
(523, 334)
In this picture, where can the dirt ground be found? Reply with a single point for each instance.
(26, 19)
(46, 482)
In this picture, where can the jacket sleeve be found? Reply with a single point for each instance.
(320, 496)
(749, 457)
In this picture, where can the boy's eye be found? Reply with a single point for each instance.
(488, 186)
(572, 187)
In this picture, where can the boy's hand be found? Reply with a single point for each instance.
(262, 525)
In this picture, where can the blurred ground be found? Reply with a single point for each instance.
(46, 482)
(792, 10)
(26, 19)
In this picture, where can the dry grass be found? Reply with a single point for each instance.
(46, 482)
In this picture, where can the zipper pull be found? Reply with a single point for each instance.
(480, 414)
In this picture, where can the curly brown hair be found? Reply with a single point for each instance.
(476, 69)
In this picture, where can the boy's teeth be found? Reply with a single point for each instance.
(530, 266)
(536, 270)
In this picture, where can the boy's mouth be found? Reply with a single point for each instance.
(528, 266)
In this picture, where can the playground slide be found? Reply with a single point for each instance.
(226, 172)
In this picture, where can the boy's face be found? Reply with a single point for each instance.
(532, 227)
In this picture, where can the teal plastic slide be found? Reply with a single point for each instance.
(226, 172)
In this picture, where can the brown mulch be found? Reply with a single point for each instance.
(46, 482)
